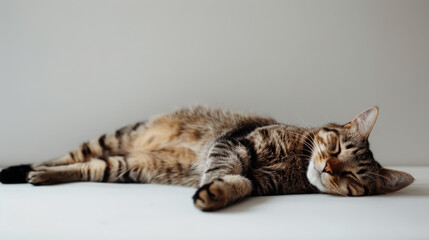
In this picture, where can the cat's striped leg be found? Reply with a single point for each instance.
(102, 169)
(223, 182)
(111, 144)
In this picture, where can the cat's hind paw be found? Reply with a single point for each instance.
(43, 177)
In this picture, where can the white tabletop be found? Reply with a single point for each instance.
(145, 211)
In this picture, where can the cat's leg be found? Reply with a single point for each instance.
(141, 167)
(223, 182)
(111, 144)
(102, 169)
(169, 165)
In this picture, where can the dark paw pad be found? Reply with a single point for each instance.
(210, 196)
(15, 174)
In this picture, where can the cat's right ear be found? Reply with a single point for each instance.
(363, 123)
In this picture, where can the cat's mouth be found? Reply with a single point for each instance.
(315, 176)
(319, 176)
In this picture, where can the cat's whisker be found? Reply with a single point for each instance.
(379, 175)
(303, 140)
(304, 122)
(336, 190)
(316, 144)
(341, 194)
(369, 176)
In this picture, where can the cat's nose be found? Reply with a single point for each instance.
(328, 169)
(333, 166)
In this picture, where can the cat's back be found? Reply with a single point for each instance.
(195, 126)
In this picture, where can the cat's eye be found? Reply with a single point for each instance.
(350, 145)
(347, 173)
(336, 150)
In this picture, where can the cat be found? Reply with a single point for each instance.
(228, 156)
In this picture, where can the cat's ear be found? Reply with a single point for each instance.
(392, 180)
(364, 122)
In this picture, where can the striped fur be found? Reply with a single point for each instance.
(228, 156)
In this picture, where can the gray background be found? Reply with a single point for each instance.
(72, 70)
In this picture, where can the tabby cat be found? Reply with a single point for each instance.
(228, 156)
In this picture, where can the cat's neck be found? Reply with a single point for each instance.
(284, 151)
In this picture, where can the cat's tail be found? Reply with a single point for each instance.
(15, 174)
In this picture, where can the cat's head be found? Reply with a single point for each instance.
(342, 163)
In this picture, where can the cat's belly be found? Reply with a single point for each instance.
(170, 153)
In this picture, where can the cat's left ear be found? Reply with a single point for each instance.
(364, 122)
(392, 180)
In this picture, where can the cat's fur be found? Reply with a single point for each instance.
(228, 156)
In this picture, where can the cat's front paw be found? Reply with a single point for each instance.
(211, 196)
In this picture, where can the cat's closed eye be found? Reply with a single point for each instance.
(350, 145)
(336, 151)
(347, 173)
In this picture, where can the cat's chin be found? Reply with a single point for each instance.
(315, 177)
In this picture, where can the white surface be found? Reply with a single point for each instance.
(137, 211)
(73, 70)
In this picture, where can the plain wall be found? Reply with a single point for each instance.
(73, 70)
